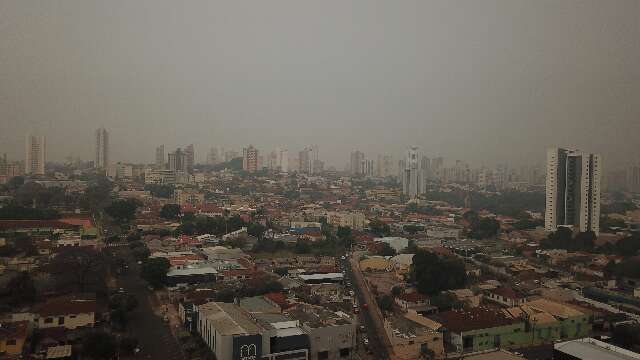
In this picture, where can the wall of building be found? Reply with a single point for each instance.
(331, 339)
(484, 339)
(70, 321)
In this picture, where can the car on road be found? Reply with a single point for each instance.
(365, 306)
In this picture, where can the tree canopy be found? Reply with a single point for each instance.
(379, 228)
(14, 211)
(433, 274)
(385, 250)
(160, 191)
(563, 239)
(122, 210)
(99, 345)
(154, 271)
(80, 268)
(481, 228)
(170, 211)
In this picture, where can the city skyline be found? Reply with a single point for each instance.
(573, 81)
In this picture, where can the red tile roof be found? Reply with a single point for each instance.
(14, 330)
(506, 292)
(33, 224)
(459, 321)
(84, 222)
(65, 306)
(413, 297)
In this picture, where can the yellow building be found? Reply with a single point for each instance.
(412, 340)
(13, 337)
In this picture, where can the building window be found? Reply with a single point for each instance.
(48, 320)
(345, 352)
(61, 320)
(11, 342)
(323, 355)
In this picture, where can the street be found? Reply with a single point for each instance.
(375, 347)
(155, 338)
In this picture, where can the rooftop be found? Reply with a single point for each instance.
(65, 305)
(316, 316)
(589, 348)
(473, 319)
(13, 330)
(229, 319)
(58, 352)
(258, 304)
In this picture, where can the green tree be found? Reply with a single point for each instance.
(13, 211)
(161, 191)
(379, 228)
(154, 271)
(15, 182)
(427, 271)
(606, 223)
(256, 229)
(98, 195)
(445, 301)
(121, 305)
(128, 345)
(302, 247)
(627, 336)
(563, 239)
(139, 250)
(78, 268)
(385, 250)
(484, 228)
(345, 236)
(122, 210)
(385, 302)
(99, 345)
(22, 290)
(170, 211)
(411, 228)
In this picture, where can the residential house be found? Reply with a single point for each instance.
(413, 301)
(12, 338)
(506, 296)
(65, 312)
(412, 340)
(481, 328)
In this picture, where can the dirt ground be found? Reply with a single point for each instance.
(383, 282)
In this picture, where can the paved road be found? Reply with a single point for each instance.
(154, 336)
(376, 346)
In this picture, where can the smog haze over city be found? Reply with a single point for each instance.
(320, 180)
(487, 82)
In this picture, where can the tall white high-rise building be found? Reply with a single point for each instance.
(356, 163)
(160, 157)
(35, 155)
(283, 160)
(411, 177)
(573, 190)
(177, 160)
(250, 159)
(190, 158)
(102, 149)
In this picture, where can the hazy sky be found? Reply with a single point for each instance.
(482, 81)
